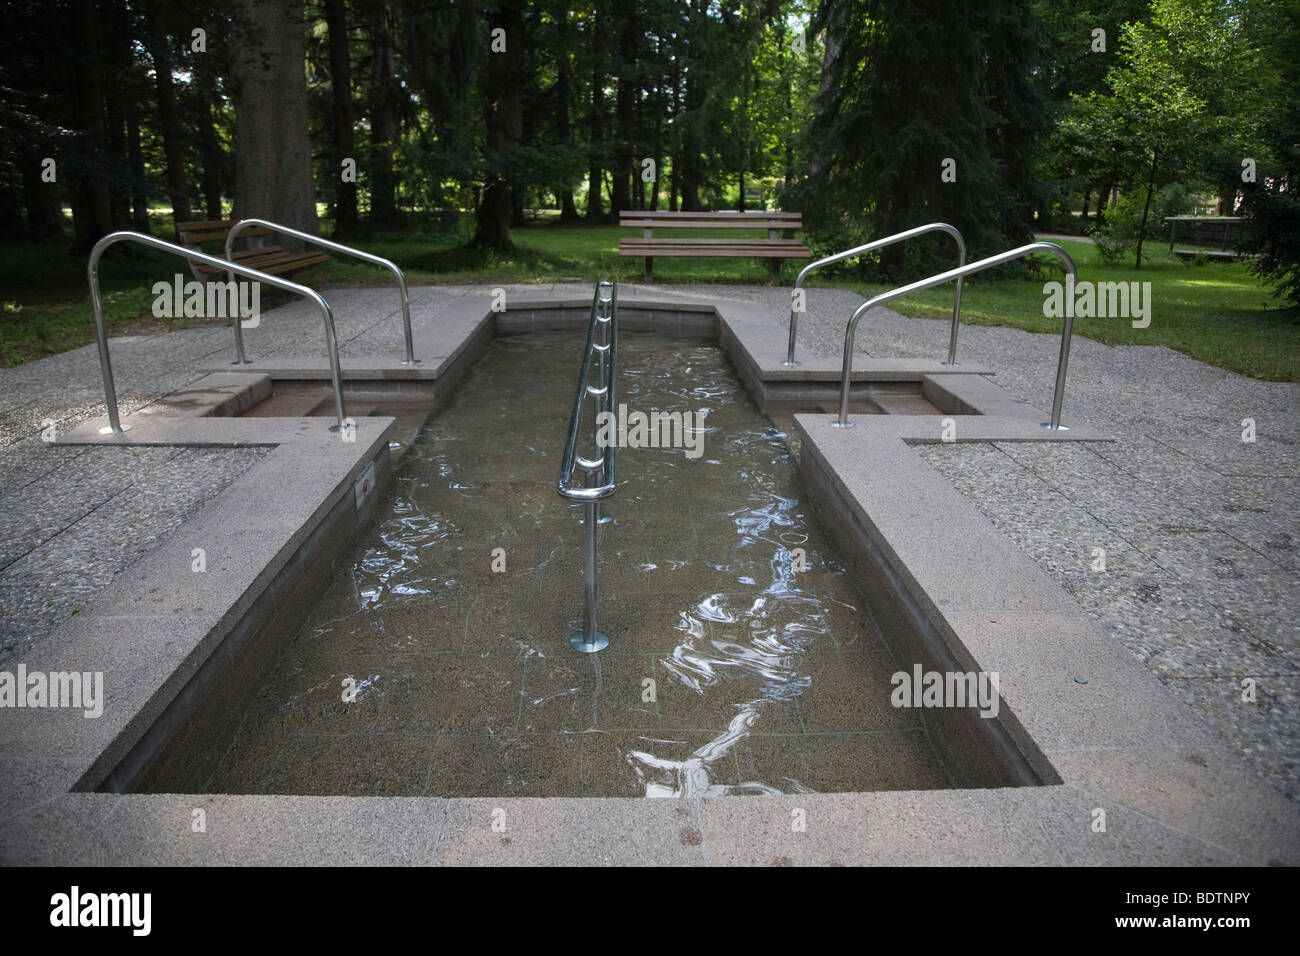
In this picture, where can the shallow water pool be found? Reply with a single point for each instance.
(437, 662)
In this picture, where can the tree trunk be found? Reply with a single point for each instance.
(117, 61)
(1146, 209)
(789, 175)
(92, 210)
(836, 19)
(211, 154)
(686, 171)
(273, 177)
(504, 85)
(657, 105)
(595, 210)
(345, 193)
(168, 114)
(41, 200)
(595, 117)
(383, 123)
(563, 93)
(1103, 199)
(1087, 196)
(135, 156)
(624, 108)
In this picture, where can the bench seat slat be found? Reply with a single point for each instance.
(272, 265)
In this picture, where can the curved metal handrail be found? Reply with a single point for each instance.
(1072, 274)
(333, 247)
(599, 473)
(603, 311)
(880, 244)
(92, 270)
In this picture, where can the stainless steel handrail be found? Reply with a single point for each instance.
(1072, 276)
(880, 244)
(333, 247)
(599, 471)
(92, 269)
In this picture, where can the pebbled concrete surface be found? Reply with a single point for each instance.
(77, 516)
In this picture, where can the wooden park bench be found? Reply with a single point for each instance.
(270, 259)
(1223, 231)
(776, 247)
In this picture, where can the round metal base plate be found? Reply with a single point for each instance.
(835, 423)
(794, 364)
(578, 641)
(108, 429)
(1061, 428)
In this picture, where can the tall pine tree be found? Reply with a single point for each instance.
(924, 114)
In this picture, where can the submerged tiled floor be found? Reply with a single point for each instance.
(729, 671)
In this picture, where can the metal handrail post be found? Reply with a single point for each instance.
(333, 247)
(1072, 278)
(880, 244)
(92, 269)
(599, 479)
(590, 635)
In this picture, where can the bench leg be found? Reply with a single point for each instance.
(649, 268)
(774, 270)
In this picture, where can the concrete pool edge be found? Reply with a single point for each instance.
(1183, 800)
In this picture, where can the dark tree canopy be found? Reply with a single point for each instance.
(869, 116)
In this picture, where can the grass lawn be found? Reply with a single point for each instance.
(1217, 312)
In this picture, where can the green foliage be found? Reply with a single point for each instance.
(915, 84)
(1180, 97)
(1112, 249)
(1271, 204)
(1124, 218)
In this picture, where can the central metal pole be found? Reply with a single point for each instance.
(598, 470)
(589, 639)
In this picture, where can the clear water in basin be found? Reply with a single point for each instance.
(425, 669)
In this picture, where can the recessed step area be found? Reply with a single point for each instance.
(258, 395)
(408, 402)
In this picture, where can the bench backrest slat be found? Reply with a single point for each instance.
(711, 224)
(196, 233)
(752, 214)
